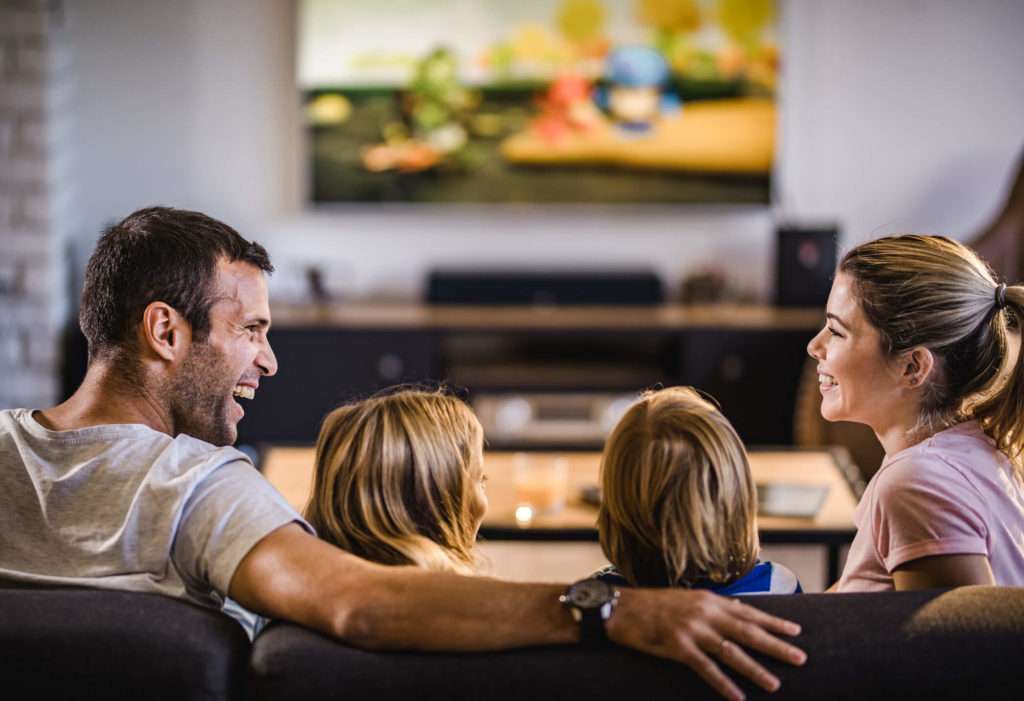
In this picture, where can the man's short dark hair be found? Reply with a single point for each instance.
(157, 254)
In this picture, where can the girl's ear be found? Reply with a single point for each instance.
(918, 364)
(165, 331)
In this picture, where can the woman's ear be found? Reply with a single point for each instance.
(917, 366)
(165, 331)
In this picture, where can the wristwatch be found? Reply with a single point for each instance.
(590, 601)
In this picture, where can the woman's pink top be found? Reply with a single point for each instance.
(951, 494)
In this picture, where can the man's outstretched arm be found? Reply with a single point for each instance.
(294, 576)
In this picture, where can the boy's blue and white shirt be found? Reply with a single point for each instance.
(764, 578)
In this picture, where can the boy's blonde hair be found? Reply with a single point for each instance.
(678, 502)
(391, 480)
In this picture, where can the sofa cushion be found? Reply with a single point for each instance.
(111, 644)
(959, 643)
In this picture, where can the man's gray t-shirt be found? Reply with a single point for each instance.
(127, 507)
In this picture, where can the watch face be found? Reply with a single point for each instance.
(590, 593)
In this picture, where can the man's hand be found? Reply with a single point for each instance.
(692, 627)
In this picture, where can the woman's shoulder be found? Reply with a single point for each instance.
(945, 468)
(967, 435)
(963, 446)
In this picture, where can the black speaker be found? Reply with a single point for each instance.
(804, 265)
(514, 287)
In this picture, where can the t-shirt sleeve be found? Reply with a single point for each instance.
(229, 511)
(925, 506)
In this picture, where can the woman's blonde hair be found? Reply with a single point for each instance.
(391, 481)
(934, 292)
(678, 502)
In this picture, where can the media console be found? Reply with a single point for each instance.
(557, 372)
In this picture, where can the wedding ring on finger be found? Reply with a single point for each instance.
(721, 647)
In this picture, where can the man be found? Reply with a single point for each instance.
(129, 484)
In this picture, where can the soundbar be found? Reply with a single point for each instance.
(550, 288)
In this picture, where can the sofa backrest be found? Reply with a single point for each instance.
(70, 643)
(964, 643)
(939, 644)
(956, 644)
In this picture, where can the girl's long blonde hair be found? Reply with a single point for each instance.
(678, 501)
(391, 481)
(935, 292)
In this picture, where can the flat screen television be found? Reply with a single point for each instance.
(590, 101)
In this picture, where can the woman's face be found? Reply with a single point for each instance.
(858, 382)
(477, 489)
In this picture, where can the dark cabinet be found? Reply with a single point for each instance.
(753, 375)
(567, 367)
(559, 360)
(321, 368)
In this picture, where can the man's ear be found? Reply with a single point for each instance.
(165, 331)
(918, 364)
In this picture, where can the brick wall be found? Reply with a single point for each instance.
(35, 200)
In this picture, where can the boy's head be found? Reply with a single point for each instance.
(678, 501)
(398, 475)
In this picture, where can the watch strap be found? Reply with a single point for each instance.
(590, 612)
(592, 630)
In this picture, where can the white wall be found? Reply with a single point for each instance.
(901, 115)
(189, 103)
(897, 115)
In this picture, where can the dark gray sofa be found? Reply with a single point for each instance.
(85, 643)
(963, 643)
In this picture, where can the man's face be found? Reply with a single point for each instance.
(229, 363)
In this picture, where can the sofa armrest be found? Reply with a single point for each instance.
(112, 644)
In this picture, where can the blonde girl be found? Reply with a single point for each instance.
(399, 480)
(678, 501)
(917, 346)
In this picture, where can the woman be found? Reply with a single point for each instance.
(916, 345)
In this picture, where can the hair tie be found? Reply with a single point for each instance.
(1001, 295)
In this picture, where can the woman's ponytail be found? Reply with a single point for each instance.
(1001, 412)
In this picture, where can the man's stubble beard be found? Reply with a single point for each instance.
(199, 396)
